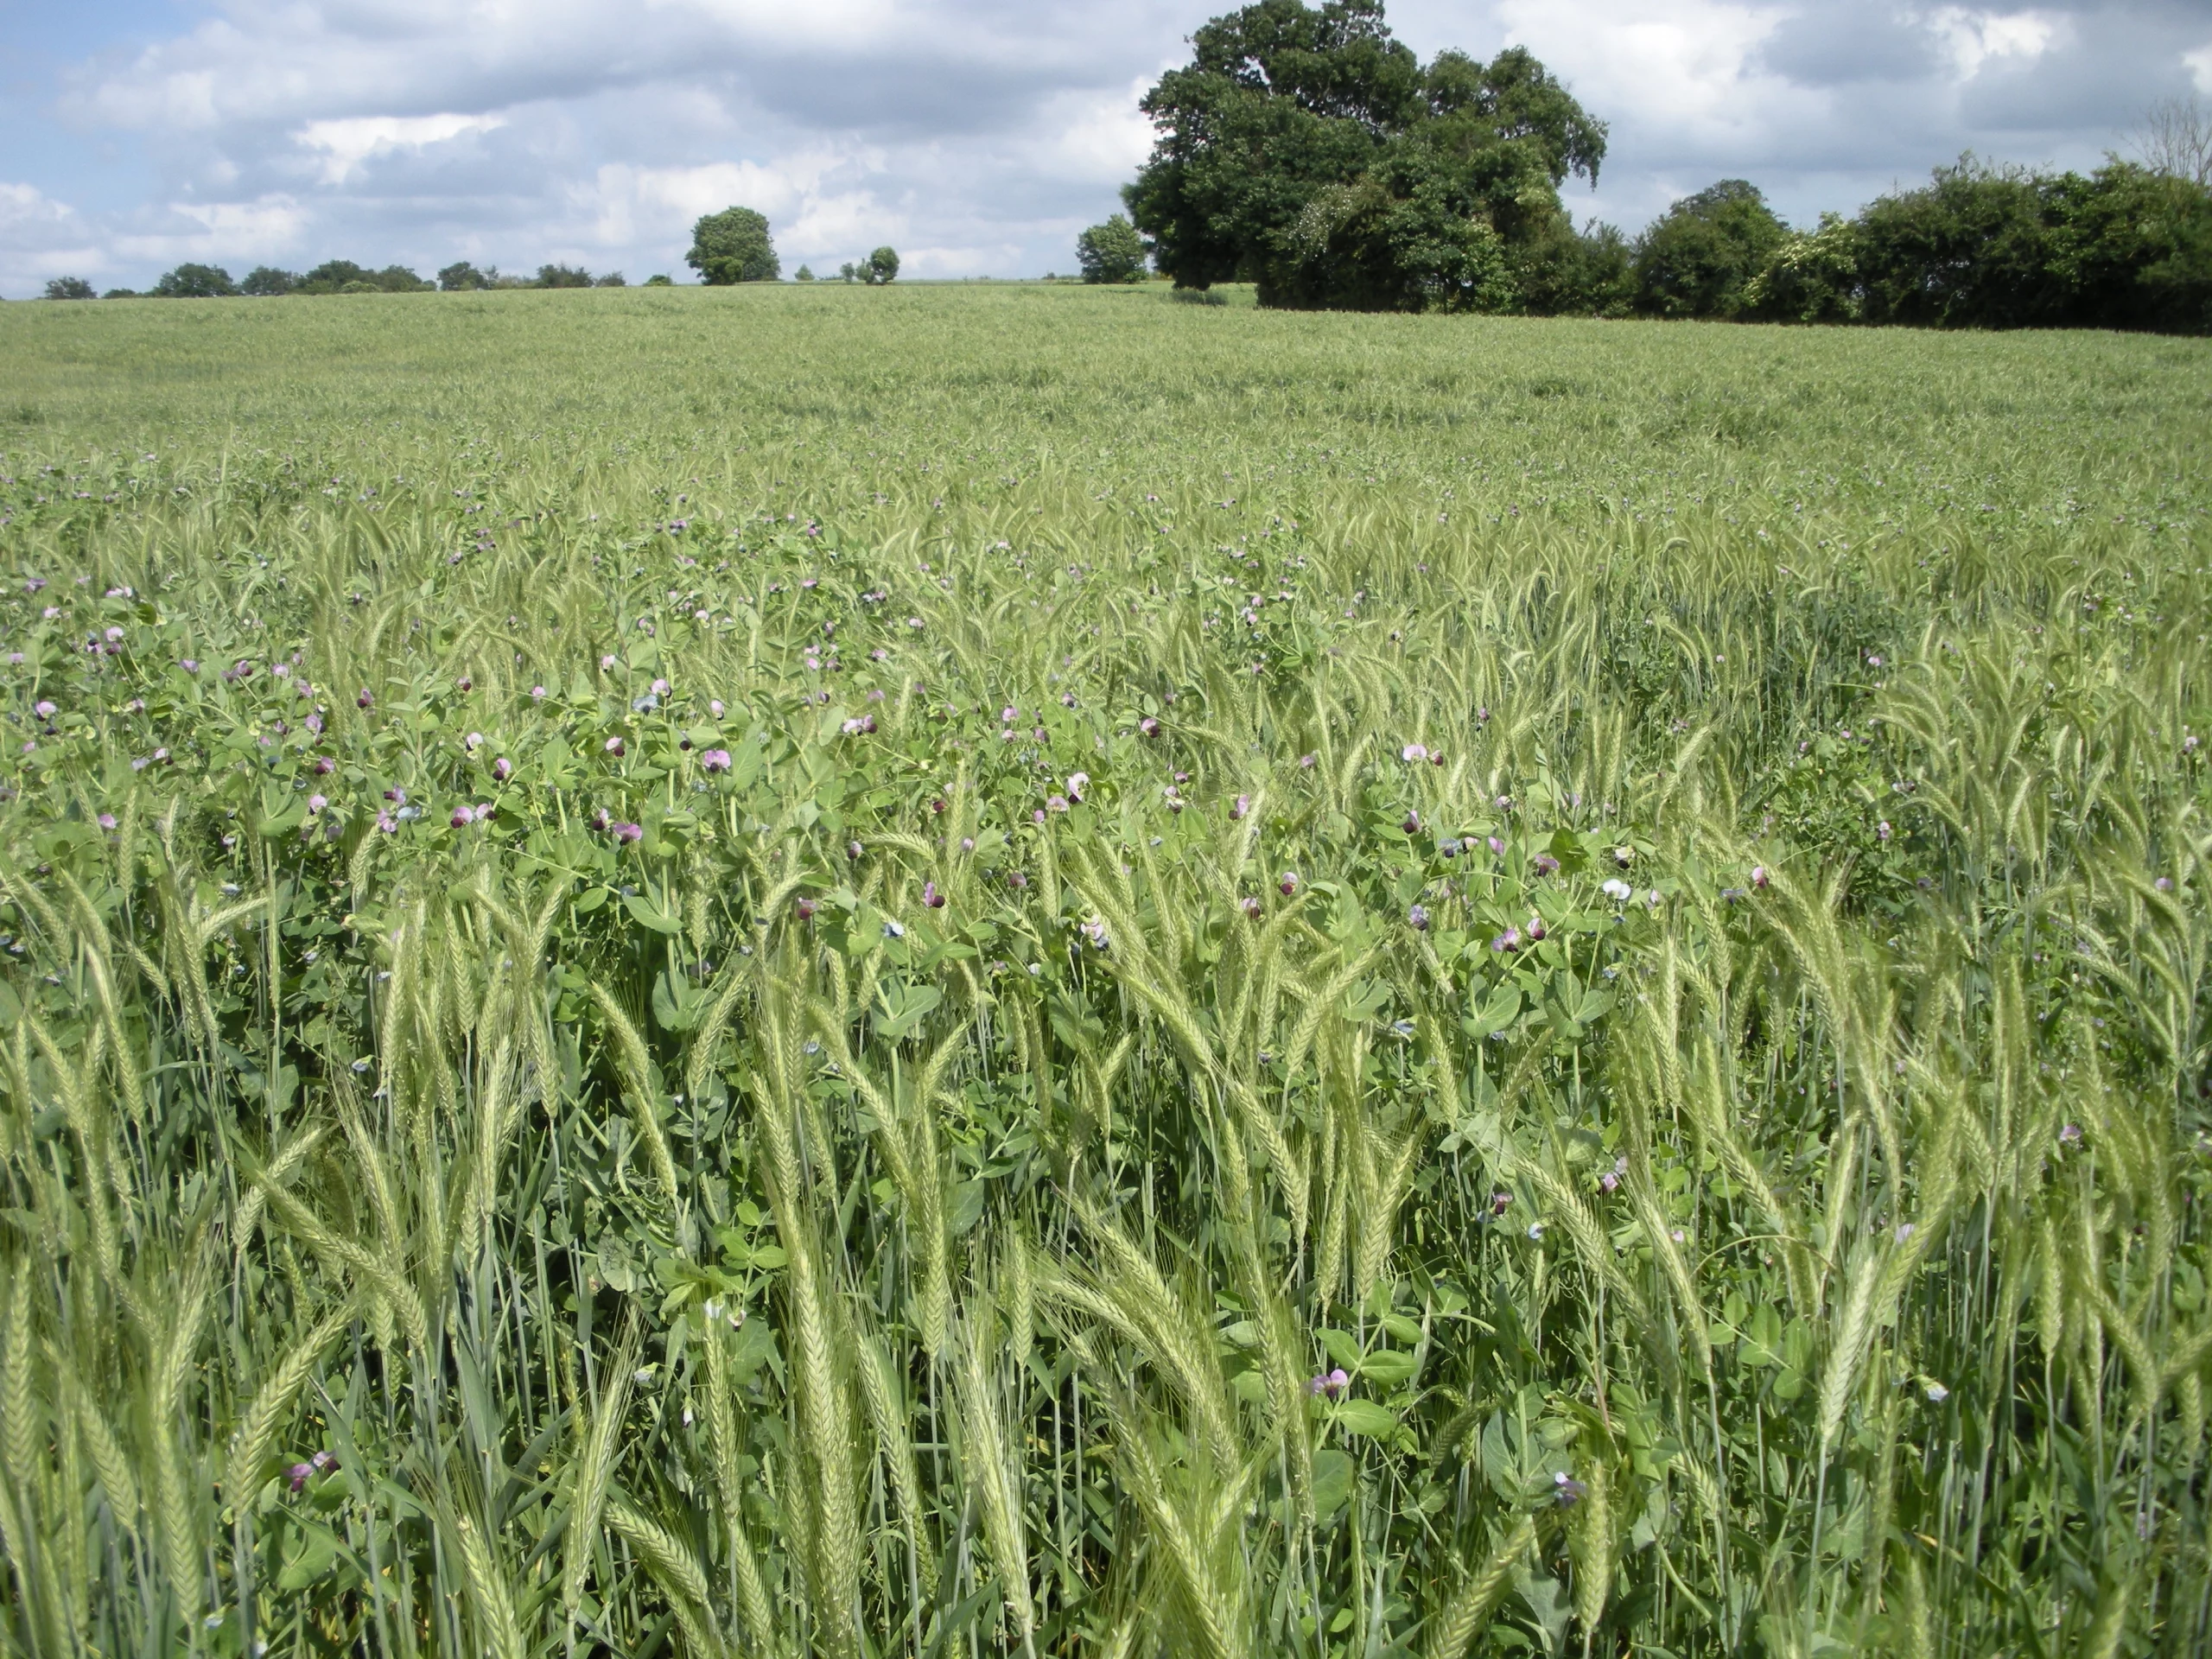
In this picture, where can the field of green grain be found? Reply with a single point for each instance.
(1029, 971)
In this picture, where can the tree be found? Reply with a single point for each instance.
(460, 278)
(1700, 257)
(1309, 152)
(660, 279)
(804, 274)
(120, 294)
(267, 282)
(562, 277)
(2175, 139)
(70, 287)
(612, 279)
(1111, 252)
(733, 246)
(190, 281)
(880, 267)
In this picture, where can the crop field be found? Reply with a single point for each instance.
(1029, 971)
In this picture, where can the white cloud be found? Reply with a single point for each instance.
(1975, 37)
(2200, 66)
(351, 140)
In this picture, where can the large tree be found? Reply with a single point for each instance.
(1308, 151)
(733, 246)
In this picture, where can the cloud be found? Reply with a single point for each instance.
(351, 140)
(516, 131)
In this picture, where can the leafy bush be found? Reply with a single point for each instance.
(69, 287)
(733, 246)
(268, 282)
(462, 276)
(562, 277)
(1700, 257)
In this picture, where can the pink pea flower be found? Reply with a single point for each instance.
(503, 768)
(714, 760)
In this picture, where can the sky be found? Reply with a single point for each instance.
(977, 136)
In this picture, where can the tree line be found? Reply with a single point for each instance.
(1308, 152)
(199, 281)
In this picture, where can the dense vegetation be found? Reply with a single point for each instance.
(1029, 971)
(1307, 151)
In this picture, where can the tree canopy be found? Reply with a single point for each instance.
(733, 246)
(191, 281)
(1111, 251)
(70, 287)
(1310, 152)
(1698, 259)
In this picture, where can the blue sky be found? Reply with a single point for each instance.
(977, 135)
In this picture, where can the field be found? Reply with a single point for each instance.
(1031, 970)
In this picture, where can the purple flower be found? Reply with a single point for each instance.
(1759, 878)
(615, 746)
(1056, 803)
(803, 909)
(1148, 725)
(316, 802)
(1242, 806)
(464, 684)
(1078, 782)
(1496, 846)
(473, 741)
(1882, 831)
(1305, 762)
(503, 768)
(853, 850)
(364, 700)
(107, 820)
(2069, 1134)
(1332, 1384)
(44, 710)
(1288, 884)
(1412, 825)
(1568, 1489)
(313, 723)
(1500, 1202)
(1509, 940)
(715, 760)
(1252, 909)
(1536, 927)
(1545, 864)
(607, 662)
(385, 823)
(1417, 919)
(537, 694)
(298, 1474)
(931, 897)
(1016, 879)
(1412, 754)
(629, 832)
(659, 687)
(462, 818)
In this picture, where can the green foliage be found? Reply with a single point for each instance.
(1698, 259)
(636, 1012)
(69, 287)
(268, 282)
(462, 276)
(562, 277)
(1111, 251)
(612, 279)
(1988, 247)
(879, 268)
(120, 294)
(660, 279)
(190, 281)
(1309, 152)
(804, 274)
(344, 276)
(733, 246)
